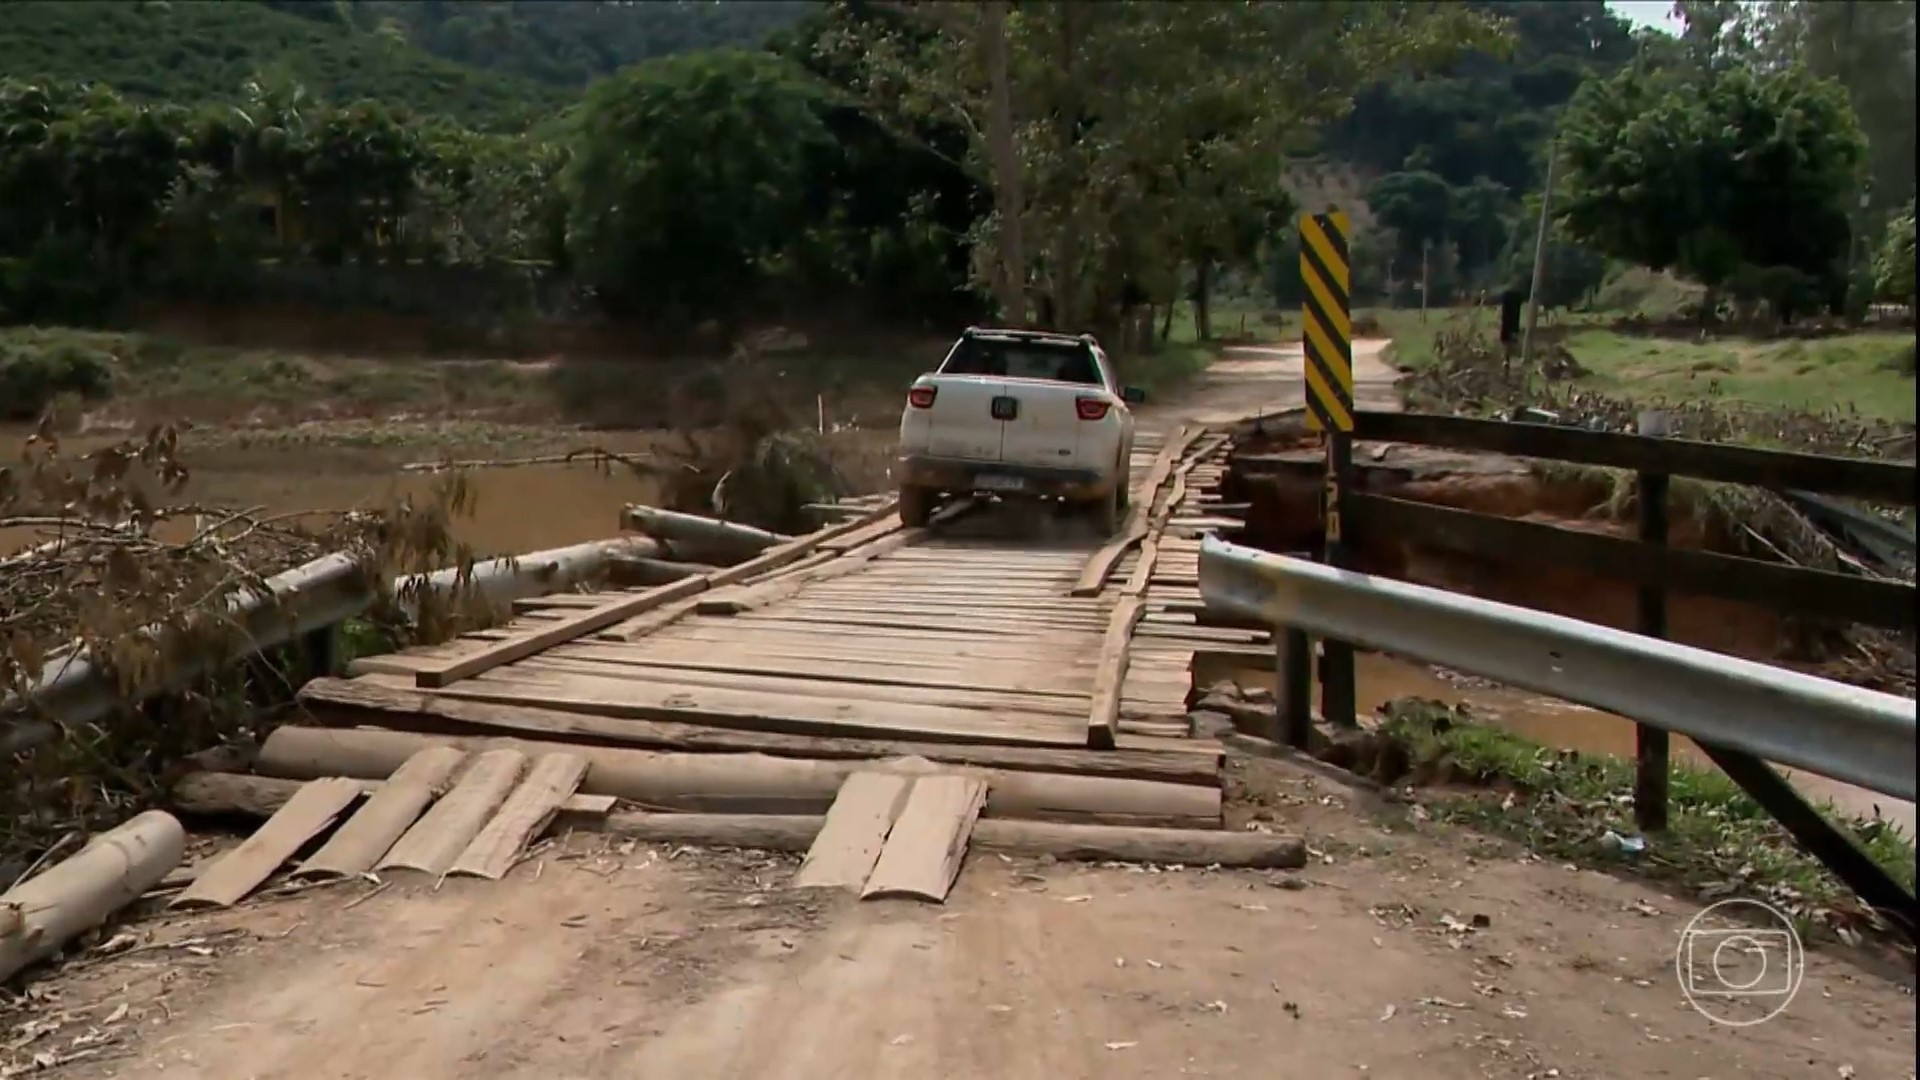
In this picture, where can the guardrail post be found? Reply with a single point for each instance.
(1652, 748)
(1336, 657)
(1293, 669)
(322, 650)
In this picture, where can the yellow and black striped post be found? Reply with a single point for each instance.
(1327, 335)
(1328, 321)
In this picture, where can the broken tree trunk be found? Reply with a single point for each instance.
(226, 793)
(80, 893)
(726, 540)
(753, 783)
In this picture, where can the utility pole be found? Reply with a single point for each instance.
(1011, 281)
(1539, 261)
(1426, 277)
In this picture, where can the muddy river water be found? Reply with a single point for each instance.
(1550, 722)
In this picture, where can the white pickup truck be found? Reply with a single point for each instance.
(1018, 413)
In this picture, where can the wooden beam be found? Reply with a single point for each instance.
(1111, 675)
(927, 844)
(230, 793)
(357, 702)
(563, 630)
(1774, 469)
(1140, 518)
(1787, 590)
(599, 618)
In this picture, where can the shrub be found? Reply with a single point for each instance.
(32, 376)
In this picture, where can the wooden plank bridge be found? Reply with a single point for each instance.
(1052, 674)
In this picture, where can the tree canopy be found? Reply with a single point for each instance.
(1699, 171)
(689, 174)
(1125, 140)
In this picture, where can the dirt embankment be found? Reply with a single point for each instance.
(1283, 484)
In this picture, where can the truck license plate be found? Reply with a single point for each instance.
(1005, 408)
(1000, 483)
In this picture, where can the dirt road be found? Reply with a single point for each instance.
(597, 961)
(1248, 380)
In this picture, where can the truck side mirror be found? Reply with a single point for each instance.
(1133, 395)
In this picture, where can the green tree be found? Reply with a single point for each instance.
(1704, 171)
(1868, 47)
(1128, 129)
(1893, 265)
(687, 176)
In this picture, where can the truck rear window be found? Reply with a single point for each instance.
(1061, 361)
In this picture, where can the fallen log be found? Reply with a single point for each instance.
(82, 892)
(215, 794)
(259, 796)
(705, 533)
(752, 783)
(639, 571)
(353, 702)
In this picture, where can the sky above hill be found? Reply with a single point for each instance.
(1654, 13)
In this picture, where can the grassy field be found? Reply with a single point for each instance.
(1852, 371)
(1858, 371)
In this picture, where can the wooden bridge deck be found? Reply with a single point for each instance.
(971, 634)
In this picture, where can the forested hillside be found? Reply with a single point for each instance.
(721, 159)
(559, 42)
(194, 51)
(1444, 161)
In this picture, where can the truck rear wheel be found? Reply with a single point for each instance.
(1104, 511)
(916, 505)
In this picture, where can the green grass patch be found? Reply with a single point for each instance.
(1562, 803)
(1653, 294)
(1858, 372)
(50, 362)
(1865, 373)
(1235, 321)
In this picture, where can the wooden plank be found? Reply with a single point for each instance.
(642, 625)
(372, 830)
(1111, 673)
(923, 853)
(873, 525)
(1093, 575)
(759, 712)
(1789, 590)
(586, 622)
(862, 814)
(770, 592)
(1878, 480)
(549, 784)
(629, 607)
(439, 837)
(355, 702)
(912, 686)
(314, 807)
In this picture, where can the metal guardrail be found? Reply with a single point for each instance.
(326, 591)
(1839, 731)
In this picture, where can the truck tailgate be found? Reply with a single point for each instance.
(961, 423)
(1045, 429)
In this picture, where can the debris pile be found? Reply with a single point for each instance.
(115, 567)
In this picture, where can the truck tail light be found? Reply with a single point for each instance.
(921, 397)
(1091, 408)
